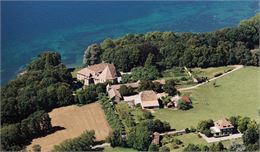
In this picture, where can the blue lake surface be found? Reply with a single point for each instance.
(29, 28)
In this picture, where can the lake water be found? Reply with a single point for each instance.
(29, 28)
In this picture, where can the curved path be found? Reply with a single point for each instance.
(237, 67)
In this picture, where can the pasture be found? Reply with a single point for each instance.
(72, 121)
(234, 94)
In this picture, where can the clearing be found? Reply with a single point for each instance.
(236, 94)
(74, 120)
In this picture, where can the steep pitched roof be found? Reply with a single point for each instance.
(108, 73)
(104, 71)
(223, 123)
(113, 93)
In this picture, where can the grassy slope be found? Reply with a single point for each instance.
(118, 149)
(193, 138)
(237, 94)
(210, 72)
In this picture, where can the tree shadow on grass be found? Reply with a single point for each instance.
(52, 130)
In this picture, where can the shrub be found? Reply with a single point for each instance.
(218, 74)
(178, 141)
(36, 148)
(126, 91)
(192, 129)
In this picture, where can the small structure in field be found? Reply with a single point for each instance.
(98, 73)
(147, 99)
(176, 99)
(222, 127)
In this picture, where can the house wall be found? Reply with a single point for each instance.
(80, 77)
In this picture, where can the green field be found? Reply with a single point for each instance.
(236, 94)
(194, 139)
(118, 149)
(209, 72)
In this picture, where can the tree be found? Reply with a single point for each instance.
(92, 54)
(36, 148)
(36, 124)
(153, 148)
(250, 136)
(149, 61)
(157, 87)
(11, 139)
(126, 91)
(234, 120)
(242, 124)
(164, 149)
(115, 139)
(217, 147)
(169, 87)
(140, 137)
(147, 115)
(191, 147)
(146, 85)
(184, 105)
(144, 73)
(81, 143)
(204, 127)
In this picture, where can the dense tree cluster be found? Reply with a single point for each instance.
(184, 105)
(44, 86)
(126, 91)
(169, 87)
(111, 115)
(90, 93)
(125, 115)
(149, 85)
(204, 127)
(214, 147)
(15, 136)
(137, 135)
(81, 143)
(167, 49)
(250, 130)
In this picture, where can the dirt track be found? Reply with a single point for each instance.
(75, 120)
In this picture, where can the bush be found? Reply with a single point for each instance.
(192, 129)
(187, 130)
(153, 148)
(218, 74)
(169, 87)
(178, 142)
(164, 149)
(183, 105)
(111, 115)
(126, 91)
(207, 133)
(36, 148)
(81, 143)
(147, 115)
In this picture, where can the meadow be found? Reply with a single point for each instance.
(234, 94)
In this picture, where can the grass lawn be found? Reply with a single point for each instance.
(210, 72)
(194, 139)
(174, 73)
(236, 94)
(118, 149)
